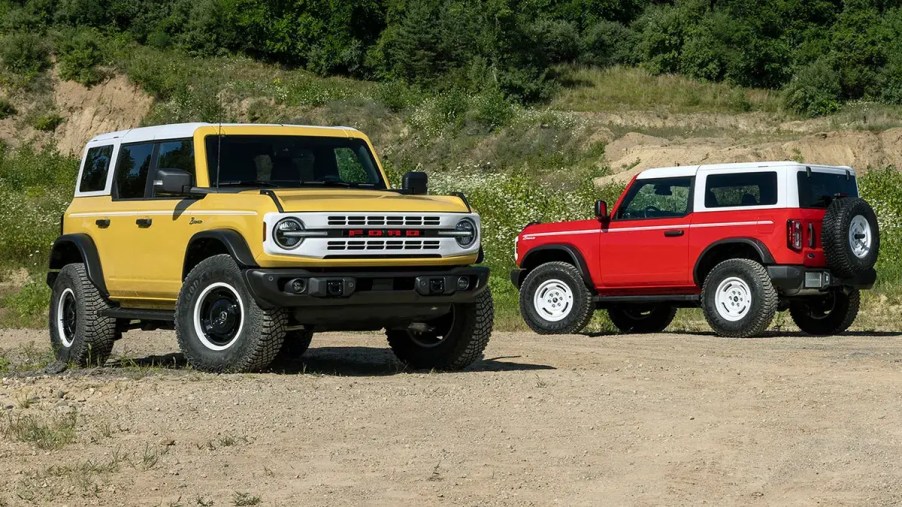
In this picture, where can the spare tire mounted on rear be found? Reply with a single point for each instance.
(851, 236)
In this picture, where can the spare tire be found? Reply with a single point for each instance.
(850, 236)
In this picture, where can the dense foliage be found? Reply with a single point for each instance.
(821, 52)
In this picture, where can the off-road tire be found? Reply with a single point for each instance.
(815, 319)
(295, 344)
(91, 338)
(760, 302)
(258, 338)
(469, 332)
(581, 307)
(836, 240)
(651, 319)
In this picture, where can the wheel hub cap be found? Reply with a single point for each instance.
(66, 317)
(860, 236)
(553, 300)
(218, 316)
(733, 299)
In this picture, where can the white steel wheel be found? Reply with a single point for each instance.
(860, 236)
(66, 317)
(218, 316)
(733, 299)
(553, 300)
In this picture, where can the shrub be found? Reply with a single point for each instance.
(558, 39)
(47, 121)
(814, 90)
(79, 55)
(607, 43)
(24, 53)
(6, 109)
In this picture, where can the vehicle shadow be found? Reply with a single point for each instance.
(775, 333)
(338, 361)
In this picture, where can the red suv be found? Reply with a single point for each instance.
(742, 241)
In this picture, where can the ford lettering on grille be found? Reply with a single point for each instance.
(383, 233)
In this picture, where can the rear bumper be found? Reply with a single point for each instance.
(800, 280)
(300, 288)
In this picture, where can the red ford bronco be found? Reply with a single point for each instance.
(742, 241)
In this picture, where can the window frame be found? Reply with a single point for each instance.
(151, 171)
(638, 183)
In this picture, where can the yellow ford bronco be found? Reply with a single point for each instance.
(248, 238)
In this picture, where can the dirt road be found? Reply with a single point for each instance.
(631, 419)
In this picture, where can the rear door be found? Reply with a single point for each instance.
(646, 243)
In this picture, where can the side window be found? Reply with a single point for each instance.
(131, 170)
(350, 169)
(741, 189)
(658, 198)
(176, 154)
(97, 164)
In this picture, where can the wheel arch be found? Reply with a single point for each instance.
(206, 244)
(729, 248)
(561, 252)
(76, 248)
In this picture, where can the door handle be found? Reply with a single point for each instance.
(674, 233)
(103, 223)
(144, 222)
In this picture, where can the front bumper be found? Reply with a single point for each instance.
(299, 288)
(800, 280)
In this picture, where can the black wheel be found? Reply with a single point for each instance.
(642, 319)
(450, 342)
(831, 314)
(738, 298)
(79, 334)
(554, 299)
(219, 326)
(850, 236)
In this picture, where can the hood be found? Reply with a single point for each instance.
(356, 200)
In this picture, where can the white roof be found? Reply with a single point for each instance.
(692, 170)
(179, 130)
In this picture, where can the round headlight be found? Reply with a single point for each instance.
(286, 233)
(466, 225)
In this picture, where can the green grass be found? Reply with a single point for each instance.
(630, 88)
(44, 433)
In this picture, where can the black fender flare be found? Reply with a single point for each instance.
(575, 255)
(234, 242)
(758, 245)
(87, 251)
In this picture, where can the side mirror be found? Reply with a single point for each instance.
(415, 183)
(172, 181)
(601, 210)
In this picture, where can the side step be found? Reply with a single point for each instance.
(682, 300)
(135, 314)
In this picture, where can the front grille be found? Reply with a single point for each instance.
(383, 220)
(381, 245)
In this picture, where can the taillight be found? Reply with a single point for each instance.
(794, 234)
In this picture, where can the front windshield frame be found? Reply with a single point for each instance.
(214, 143)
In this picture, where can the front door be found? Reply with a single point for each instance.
(646, 244)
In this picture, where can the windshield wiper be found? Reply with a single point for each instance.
(339, 183)
(248, 183)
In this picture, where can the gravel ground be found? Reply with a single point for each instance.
(611, 419)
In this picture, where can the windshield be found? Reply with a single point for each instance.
(290, 162)
(817, 189)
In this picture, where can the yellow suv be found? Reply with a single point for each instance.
(247, 238)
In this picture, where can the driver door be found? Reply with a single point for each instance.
(646, 244)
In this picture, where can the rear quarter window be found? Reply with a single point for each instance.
(818, 189)
(741, 189)
(97, 165)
